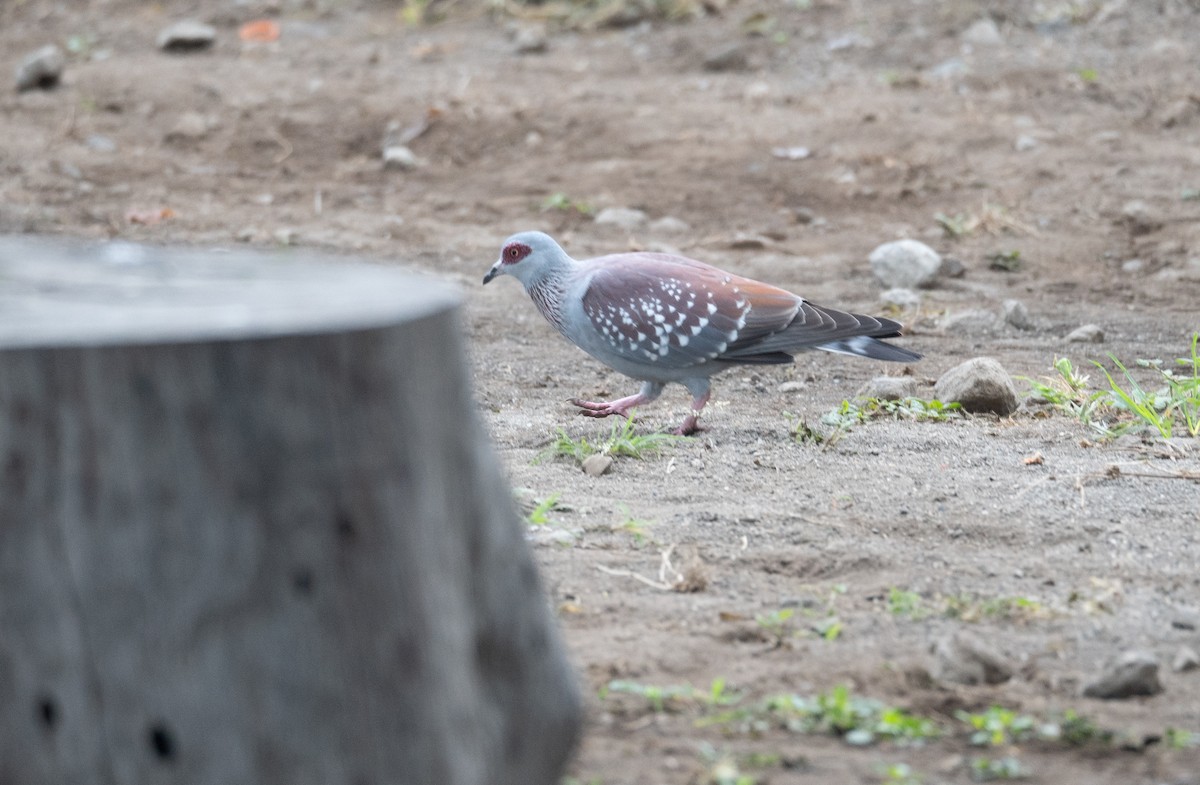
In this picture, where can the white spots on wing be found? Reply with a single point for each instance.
(662, 350)
(658, 318)
(680, 319)
(658, 331)
(691, 303)
(641, 336)
(739, 303)
(721, 347)
(712, 308)
(726, 280)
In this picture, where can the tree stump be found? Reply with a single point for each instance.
(251, 532)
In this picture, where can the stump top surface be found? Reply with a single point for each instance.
(56, 292)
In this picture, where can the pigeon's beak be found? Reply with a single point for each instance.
(492, 273)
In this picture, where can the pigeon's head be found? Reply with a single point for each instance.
(528, 256)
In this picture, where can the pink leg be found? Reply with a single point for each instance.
(691, 423)
(621, 406)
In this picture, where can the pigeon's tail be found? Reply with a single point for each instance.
(867, 346)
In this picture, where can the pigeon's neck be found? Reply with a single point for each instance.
(548, 291)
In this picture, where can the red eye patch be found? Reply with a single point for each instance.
(514, 252)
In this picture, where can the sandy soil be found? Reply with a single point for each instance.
(1045, 131)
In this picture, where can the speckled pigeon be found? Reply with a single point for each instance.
(660, 318)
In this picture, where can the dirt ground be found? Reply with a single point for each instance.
(1043, 127)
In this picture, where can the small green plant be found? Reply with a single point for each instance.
(968, 608)
(1126, 403)
(1179, 398)
(621, 442)
(560, 201)
(1005, 261)
(1076, 730)
(1069, 392)
(857, 720)
(850, 413)
(829, 628)
(540, 514)
(724, 768)
(899, 774)
(636, 528)
(1190, 194)
(801, 431)
(1088, 75)
(1176, 739)
(957, 225)
(662, 698)
(777, 624)
(992, 769)
(998, 726)
(905, 603)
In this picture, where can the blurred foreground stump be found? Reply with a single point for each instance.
(251, 532)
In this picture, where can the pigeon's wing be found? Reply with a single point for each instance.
(677, 313)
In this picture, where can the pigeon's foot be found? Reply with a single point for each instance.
(690, 427)
(623, 407)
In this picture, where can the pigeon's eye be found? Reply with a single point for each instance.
(515, 253)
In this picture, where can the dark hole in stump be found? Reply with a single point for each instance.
(345, 527)
(162, 743)
(47, 712)
(302, 581)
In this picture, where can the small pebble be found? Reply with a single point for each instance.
(905, 263)
(1025, 143)
(1186, 659)
(41, 69)
(952, 267)
(791, 387)
(1017, 315)
(187, 36)
(596, 465)
(531, 39)
(1140, 217)
(975, 321)
(983, 32)
(1088, 333)
(622, 217)
(101, 144)
(669, 225)
(1133, 266)
(980, 385)
(1133, 673)
(963, 658)
(399, 157)
(730, 57)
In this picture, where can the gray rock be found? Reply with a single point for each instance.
(1133, 673)
(187, 36)
(1186, 659)
(983, 32)
(980, 385)
(544, 536)
(962, 658)
(971, 322)
(952, 267)
(622, 217)
(41, 69)
(398, 156)
(597, 464)
(889, 388)
(898, 297)
(1017, 315)
(1133, 266)
(792, 386)
(729, 57)
(1140, 217)
(1088, 333)
(530, 39)
(905, 263)
(669, 225)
